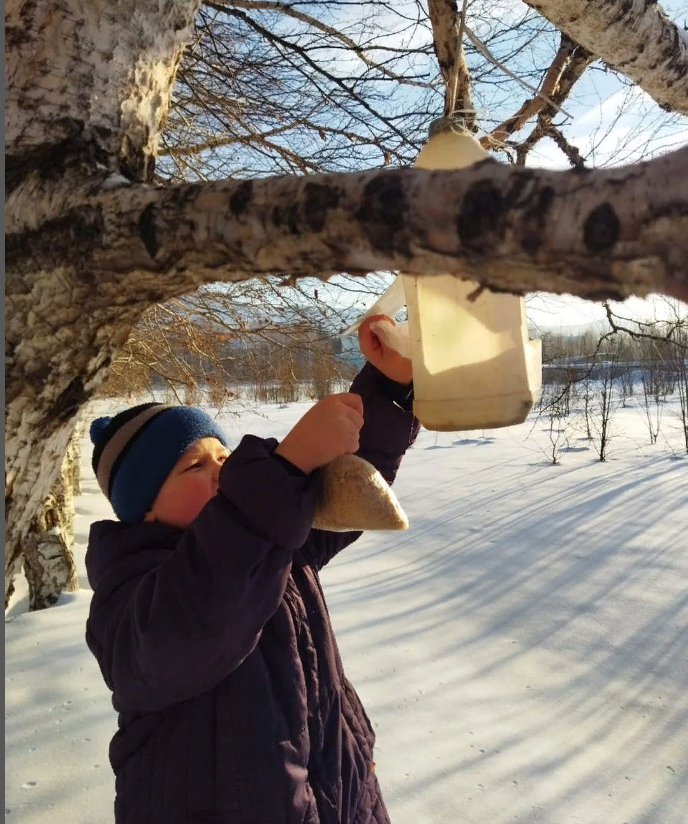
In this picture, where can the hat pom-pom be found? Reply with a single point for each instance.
(98, 427)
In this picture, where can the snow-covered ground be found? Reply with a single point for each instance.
(522, 650)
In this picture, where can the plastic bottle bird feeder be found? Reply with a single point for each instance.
(473, 364)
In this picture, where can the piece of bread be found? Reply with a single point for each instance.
(353, 496)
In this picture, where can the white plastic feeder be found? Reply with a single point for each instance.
(473, 364)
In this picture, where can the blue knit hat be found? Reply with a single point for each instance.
(137, 449)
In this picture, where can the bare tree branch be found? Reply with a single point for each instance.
(669, 331)
(576, 66)
(536, 104)
(571, 152)
(296, 14)
(319, 69)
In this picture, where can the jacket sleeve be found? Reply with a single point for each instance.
(183, 625)
(389, 428)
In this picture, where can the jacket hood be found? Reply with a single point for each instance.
(110, 542)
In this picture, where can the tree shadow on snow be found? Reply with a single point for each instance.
(570, 603)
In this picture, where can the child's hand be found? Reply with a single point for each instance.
(386, 359)
(327, 430)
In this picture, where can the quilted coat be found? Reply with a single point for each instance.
(217, 646)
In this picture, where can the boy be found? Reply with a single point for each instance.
(208, 619)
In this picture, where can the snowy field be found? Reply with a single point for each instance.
(522, 650)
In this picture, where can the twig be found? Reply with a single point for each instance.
(637, 335)
(571, 151)
(290, 11)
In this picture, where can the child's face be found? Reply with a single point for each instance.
(190, 485)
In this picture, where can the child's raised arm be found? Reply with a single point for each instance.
(388, 430)
(329, 429)
(181, 613)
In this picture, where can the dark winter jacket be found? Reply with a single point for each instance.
(217, 645)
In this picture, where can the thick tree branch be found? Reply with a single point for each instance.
(598, 234)
(634, 37)
(56, 83)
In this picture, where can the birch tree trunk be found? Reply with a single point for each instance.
(47, 549)
(87, 89)
(90, 245)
